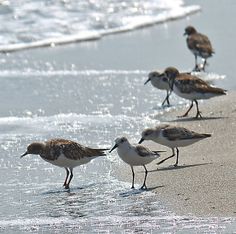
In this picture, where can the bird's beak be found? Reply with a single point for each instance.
(147, 81)
(141, 140)
(185, 34)
(115, 146)
(24, 154)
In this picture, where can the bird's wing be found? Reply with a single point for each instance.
(144, 152)
(200, 42)
(188, 83)
(180, 133)
(73, 150)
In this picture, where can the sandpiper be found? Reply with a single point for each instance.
(64, 153)
(199, 45)
(159, 81)
(134, 156)
(191, 87)
(172, 137)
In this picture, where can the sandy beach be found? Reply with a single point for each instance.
(204, 182)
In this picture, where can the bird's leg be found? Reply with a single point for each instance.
(144, 182)
(186, 113)
(132, 169)
(204, 64)
(166, 98)
(173, 154)
(71, 176)
(198, 112)
(177, 158)
(196, 68)
(67, 174)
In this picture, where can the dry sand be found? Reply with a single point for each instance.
(204, 183)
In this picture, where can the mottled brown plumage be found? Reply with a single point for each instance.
(199, 45)
(191, 87)
(64, 153)
(188, 83)
(71, 150)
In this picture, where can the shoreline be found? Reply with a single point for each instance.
(204, 182)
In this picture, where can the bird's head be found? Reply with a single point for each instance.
(189, 30)
(147, 134)
(171, 73)
(34, 148)
(119, 142)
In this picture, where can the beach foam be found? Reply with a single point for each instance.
(44, 23)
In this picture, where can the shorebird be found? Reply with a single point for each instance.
(159, 81)
(191, 87)
(64, 153)
(172, 137)
(134, 156)
(199, 45)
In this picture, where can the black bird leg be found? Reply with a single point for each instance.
(71, 176)
(186, 114)
(132, 169)
(67, 174)
(144, 186)
(173, 154)
(198, 112)
(196, 68)
(166, 99)
(177, 158)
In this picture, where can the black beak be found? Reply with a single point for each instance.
(147, 81)
(185, 34)
(24, 154)
(115, 146)
(141, 140)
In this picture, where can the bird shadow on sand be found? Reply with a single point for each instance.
(180, 167)
(69, 191)
(188, 119)
(134, 192)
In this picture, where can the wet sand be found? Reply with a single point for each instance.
(204, 182)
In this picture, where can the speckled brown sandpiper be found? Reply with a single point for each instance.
(64, 153)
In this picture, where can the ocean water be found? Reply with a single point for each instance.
(39, 23)
(42, 100)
